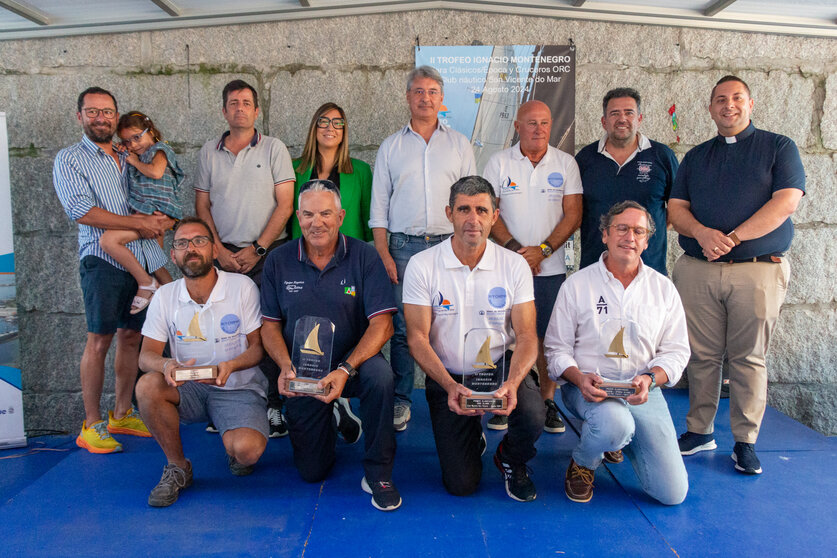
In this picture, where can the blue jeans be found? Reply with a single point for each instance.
(645, 432)
(402, 247)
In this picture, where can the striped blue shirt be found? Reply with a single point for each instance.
(85, 177)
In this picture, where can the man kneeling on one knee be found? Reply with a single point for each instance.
(621, 321)
(208, 317)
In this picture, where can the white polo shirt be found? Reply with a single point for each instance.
(231, 312)
(242, 187)
(463, 299)
(412, 180)
(591, 309)
(531, 197)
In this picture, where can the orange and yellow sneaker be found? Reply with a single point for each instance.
(130, 424)
(97, 439)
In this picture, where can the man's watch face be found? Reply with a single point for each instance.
(546, 250)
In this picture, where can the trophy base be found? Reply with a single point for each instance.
(620, 390)
(482, 402)
(191, 373)
(305, 387)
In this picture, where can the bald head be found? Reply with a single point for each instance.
(533, 126)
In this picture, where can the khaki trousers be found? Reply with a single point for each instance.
(732, 309)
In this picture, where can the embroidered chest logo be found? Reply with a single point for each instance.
(508, 186)
(441, 304)
(294, 286)
(351, 291)
(601, 306)
(643, 171)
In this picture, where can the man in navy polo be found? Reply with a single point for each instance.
(731, 203)
(329, 275)
(624, 165)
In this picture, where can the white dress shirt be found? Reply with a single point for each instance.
(532, 197)
(412, 180)
(591, 310)
(463, 299)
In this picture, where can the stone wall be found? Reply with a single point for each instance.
(361, 62)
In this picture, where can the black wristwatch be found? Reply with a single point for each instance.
(348, 369)
(260, 251)
(653, 380)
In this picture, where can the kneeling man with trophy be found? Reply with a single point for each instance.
(327, 306)
(617, 332)
(467, 301)
(211, 320)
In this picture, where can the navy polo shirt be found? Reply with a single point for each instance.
(646, 179)
(352, 289)
(726, 183)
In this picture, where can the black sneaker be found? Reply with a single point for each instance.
(348, 425)
(498, 422)
(725, 389)
(518, 484)
(553, 422)
(276, 420)
(174, 480)
(385, 496)
(691, 443)
(745, 459)
(210, 427)
(237, 468)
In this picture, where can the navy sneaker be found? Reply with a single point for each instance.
(276, 420)
(745, 459)
(516, 478)
(691, 443)
(237, 468)
(348, 425)
(553, 423)
(385, 496)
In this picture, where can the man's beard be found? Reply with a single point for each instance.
(196, 267)
(105, 137)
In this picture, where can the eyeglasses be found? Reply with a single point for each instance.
(338, 123)
(622, 230)
(94, 112)
(135, 138)
(420, 92)
(197, 242)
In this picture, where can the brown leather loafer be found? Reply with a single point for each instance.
(578, 484)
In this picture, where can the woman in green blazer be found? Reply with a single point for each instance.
(326, 157)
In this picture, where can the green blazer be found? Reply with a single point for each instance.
(355, 195)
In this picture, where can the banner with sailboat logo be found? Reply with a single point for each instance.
(485, 85)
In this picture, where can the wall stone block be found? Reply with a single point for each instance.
(52, 366)
(817, 206)
(813, 271)
(814, 405)
(801, 349)
(31, 181)
(829, 116)
(47, 276)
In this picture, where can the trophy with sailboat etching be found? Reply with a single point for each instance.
(311, 354)
(194, 339)
(484, 369)
(614, 360)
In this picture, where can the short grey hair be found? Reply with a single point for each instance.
(426, 72)
(320, 186)
(620, 208)
(472, 186)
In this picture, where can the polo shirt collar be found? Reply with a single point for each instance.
(257, 137)
(486, 263)
(745, 133)
(217, 291)
(339, 254)
(517, 153)
(607, 275)
(409, 128)
(644, 143)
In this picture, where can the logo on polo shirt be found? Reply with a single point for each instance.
(497, 297)
(555, 179)
(643, 171)
(601, 305)
(351, 291)
(508, 186)
(441, 304)
(230, 323)
(293, 286)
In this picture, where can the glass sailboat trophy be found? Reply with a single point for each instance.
(484, 368)
(194, 339)
(616, 339)
(311, 354)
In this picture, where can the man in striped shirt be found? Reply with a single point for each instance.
(90, 179)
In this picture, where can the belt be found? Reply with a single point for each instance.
(762, 259)
(427, 238)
